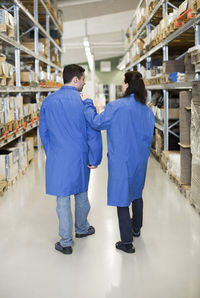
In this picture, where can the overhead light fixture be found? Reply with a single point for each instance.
(90, 57)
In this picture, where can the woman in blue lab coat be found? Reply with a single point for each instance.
(130, 124)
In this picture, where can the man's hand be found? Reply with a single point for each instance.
(91, 167)
(84, 96)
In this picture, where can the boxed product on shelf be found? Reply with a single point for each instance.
(173, 114)
(195, 182)
(9, 163)
(7, 23)
(165, 157)
(30, 148)
(23, 155)
(18, 106)
(42, 75)
(158, 142)
(8, 109)
(195, 119)
(6, 18)
(174, 165)
(185, 116)
(173, 66)
(42, 46)
(28, 76)
(186, 159)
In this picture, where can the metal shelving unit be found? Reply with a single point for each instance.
(163, 45)
(30, 23)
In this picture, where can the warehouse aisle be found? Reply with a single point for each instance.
(166, 262)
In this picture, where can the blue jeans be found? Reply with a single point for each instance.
(82, 207)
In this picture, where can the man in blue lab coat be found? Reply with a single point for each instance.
(72, 148)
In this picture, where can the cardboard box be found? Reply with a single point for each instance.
(172, 114)
(9, 164)
(186, 162)
(18, 101)
(195, 130)
(185, 116)
(23, 155)
(158, 142)
(173, 66)
(189, 67)
(195, 182)
(30, 146)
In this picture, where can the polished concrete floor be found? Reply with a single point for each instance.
(167, 259)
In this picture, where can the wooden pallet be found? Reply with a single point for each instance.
(3, 186)
(193, 204)
(13, 180)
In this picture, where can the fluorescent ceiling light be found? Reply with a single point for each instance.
(76, 2)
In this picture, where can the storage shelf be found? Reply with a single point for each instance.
(31, 18)
(14, 89)
(15, 44)
(167, 40)
(171, 86)
(13, 136)
(144, 25)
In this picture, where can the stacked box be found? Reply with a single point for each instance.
(173, 66)
(9, 164)
(6, 18)
(158, 142)
(195, 184)
(185, 116)
(23, 155)
(42, 47)
(186, 162)
(30, 148)
(195, 143)
(195, 119)
(189, 68)
(9, 111)
(18, 101)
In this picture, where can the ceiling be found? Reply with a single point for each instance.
(104, 22)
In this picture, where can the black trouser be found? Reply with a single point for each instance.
(125, 225)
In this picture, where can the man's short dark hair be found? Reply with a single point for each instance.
(70, 71)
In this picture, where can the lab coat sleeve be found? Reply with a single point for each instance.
(43, 129)
(98, 121)
(95, 145)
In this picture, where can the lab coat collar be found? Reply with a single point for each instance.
(69, 87)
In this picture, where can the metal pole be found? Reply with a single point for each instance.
(165, 92)
(17, 50)
(166, 129)
(36, 39)
(197, 43)
(48, 45)
(148, 64)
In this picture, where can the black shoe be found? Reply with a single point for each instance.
(91, 231)
(65, 250)
(129, 248)
(136, 233)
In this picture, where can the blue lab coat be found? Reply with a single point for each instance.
(69, 142)
(130, 126)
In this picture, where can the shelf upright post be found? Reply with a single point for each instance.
(48, 44)
(165, 92)
(197, 43)
(37, 68)
(36, 37)
(148, 64)
(17, 50)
